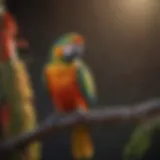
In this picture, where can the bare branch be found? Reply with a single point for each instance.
(109, 115)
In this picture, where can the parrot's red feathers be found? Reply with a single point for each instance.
(9, 24)
(79, 40)
(5, 115)
(9, 31)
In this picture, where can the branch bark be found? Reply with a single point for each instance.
(107, 115)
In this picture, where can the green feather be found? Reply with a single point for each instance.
(140, 140)
(12, 97)
(86, 84)
(18, 113)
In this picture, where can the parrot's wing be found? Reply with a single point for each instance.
(86, 83)
(45, 93)
(45, 86)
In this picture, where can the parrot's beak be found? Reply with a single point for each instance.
(71, 57)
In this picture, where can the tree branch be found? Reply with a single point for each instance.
(109, 115)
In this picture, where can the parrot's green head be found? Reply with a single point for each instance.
(68, 48)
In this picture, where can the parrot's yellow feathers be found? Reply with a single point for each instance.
(48, 71)
(58, 51)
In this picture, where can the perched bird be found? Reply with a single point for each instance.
(70, 85)
(17, 112)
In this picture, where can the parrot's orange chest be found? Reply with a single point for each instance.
(62, 81)
(63, 78)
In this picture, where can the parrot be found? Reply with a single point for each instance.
(17, 114)
(71, 87)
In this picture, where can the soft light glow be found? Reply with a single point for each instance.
(140, 6)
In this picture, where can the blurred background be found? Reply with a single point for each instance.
(122, 48)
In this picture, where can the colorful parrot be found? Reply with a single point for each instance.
(71, 87)
(17, 114)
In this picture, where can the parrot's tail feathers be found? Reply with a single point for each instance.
(33, 151)
(82, 145)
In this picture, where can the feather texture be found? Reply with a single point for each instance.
(86, 84)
